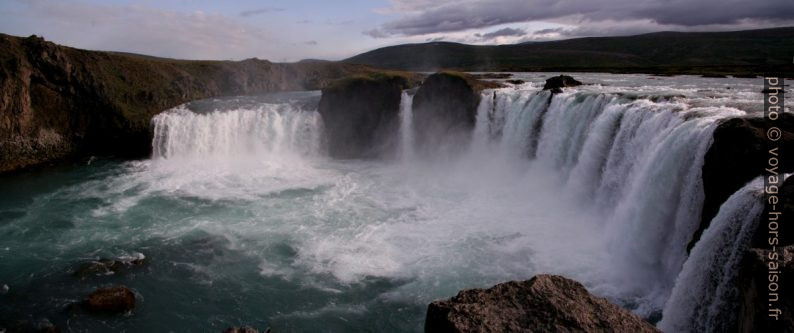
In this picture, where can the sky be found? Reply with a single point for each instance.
(334, 30)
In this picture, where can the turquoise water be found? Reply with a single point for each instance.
(325, 248)
(204, 268)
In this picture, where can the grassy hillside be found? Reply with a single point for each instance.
(738, 52)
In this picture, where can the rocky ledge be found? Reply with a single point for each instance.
(545, 303)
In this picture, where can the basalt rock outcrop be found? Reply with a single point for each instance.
(545, 303)
(58, 102)
(739, 153)
(445, 111)
(556, 83)
(361, 114)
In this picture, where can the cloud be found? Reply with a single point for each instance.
(376, 33)
(632, 27)
(133, 28)
(310, 42)
(504, 32)
(420, 17)
(247, 13)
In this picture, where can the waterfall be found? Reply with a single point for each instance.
(265, 131)
(636, 161)
(633, 163)
(705, 298)
(406, 126)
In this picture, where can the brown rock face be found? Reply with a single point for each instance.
(361, 115)
(117, 299)
(58, 102)
(545, 303)
(738, 154)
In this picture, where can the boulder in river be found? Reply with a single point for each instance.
(556, 83)
(545, 303)
(117, 299)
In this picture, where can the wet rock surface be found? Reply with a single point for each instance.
(117, 299)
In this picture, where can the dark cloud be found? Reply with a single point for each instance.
(437, 39)
(376, 33)
(418, 17)
(310, 42)
(505, 32)
(247, 13)
(548, 31)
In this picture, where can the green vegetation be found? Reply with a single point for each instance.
(404, 79)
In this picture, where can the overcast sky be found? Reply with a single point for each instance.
(299, 29)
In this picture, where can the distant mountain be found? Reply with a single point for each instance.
(736, 52)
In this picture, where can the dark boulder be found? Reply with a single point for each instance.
(118, 299)
(445, 111)
(738, 154)
(516, 81)
(361, 115)
(754, 298)
(243, 329)
(556, 83)
(545, 303)
(107, 266)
